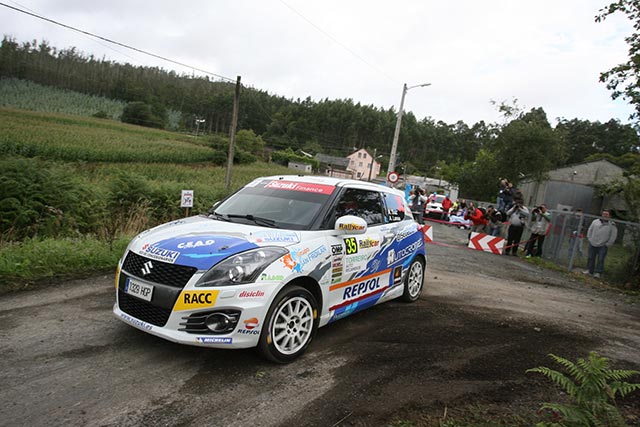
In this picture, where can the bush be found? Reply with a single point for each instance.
(142, 114)
(592, 389)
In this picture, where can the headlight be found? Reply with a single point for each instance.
(242, 268)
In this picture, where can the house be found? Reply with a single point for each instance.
(574, 186)
(302, 167)
(361, 163)
(334, 166)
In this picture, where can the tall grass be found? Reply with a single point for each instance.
(31, 134)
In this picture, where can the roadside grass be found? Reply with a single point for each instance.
(31, 261)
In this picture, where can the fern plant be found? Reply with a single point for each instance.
(592, 388)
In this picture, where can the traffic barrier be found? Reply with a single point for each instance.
(427, 231)
(487, 243)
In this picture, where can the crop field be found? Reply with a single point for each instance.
(73, 138)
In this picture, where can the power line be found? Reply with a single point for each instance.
(116, 43)
(336, 41)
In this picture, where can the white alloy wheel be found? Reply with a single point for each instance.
(291, 323)
(414, 281)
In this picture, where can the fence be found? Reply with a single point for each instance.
(567, 246)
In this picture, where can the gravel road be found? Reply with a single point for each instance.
(482, 320)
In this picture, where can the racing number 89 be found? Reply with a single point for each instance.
(352, 245)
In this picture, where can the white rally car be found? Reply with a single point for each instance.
(271, 263)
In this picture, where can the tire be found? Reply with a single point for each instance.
(414, 281)
(291, 324)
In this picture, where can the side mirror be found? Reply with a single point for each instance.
(350, 224)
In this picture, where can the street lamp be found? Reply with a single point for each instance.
(396, 134)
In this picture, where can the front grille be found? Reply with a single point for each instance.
(143, 310)
(195, 323)
(160, 272)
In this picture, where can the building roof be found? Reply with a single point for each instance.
(333, 160)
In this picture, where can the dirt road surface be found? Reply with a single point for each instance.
(482, 320)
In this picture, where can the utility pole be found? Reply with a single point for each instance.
(396, 133)
(375, 150)
(232, 134)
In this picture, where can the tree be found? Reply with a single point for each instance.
(624, 79)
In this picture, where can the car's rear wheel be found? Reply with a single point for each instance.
(414, 281)
(291, 324)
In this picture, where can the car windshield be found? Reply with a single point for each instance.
(276, 203)
(439, 199)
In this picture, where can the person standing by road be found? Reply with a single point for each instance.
(517, 215)
(446, 205)
(540, 220)
(601, 235)
(417, 202)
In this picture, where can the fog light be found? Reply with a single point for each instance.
(219, 323)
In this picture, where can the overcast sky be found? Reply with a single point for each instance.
(545, 53)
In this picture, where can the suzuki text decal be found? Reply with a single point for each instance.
(301, 186)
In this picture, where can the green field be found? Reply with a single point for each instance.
(71, 182)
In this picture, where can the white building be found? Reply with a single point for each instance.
(361, 162)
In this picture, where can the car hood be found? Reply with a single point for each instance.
(202, 242)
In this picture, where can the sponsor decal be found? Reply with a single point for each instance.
(397, 256)
(397, 275)
(368, 243)
(296, 260)
(136, 322)
(361, 289)
(407, 232)
(301, 186)
(271, 277)
(214, 340)
(251, 294)
(275, 237)
(337, 249)
(248, 332)
(251, 323)
(352, 245)
(195, 244)
(350, 227)
(190, 300)
(159, 254)
(375, 265)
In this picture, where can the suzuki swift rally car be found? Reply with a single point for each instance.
(271, 263)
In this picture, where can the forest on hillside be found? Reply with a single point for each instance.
(471, 155)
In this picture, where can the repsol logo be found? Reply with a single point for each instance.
(248, 332)
(361, 288)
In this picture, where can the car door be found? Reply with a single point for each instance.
(357, 280)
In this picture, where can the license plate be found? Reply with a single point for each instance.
(138, 289)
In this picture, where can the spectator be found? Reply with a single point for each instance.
(576, 228)
(517, 215)
(478, 219)
(507, 196)
(446, 205)
(601, 235)
(540, 220)
(417, 201)
(500, 200)
(495, 221)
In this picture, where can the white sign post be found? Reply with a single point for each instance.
(186, 201)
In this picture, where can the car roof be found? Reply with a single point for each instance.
(336, 182)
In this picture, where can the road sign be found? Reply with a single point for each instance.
(186, 201)
(487, 243)
(393, 177)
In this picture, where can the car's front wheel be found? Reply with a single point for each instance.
(291, 323)
(414, 281)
